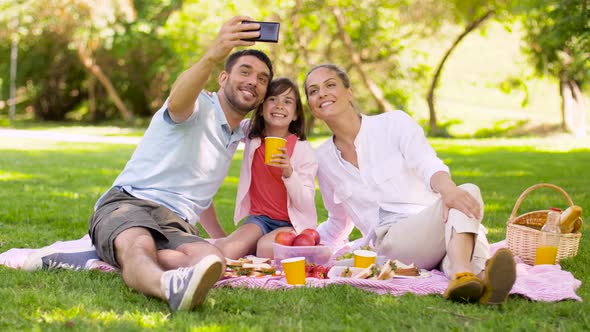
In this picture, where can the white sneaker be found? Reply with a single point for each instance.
(187, 287)
(53, 258)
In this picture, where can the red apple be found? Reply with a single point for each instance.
(285, 238)
(313, 233)
(303, 240)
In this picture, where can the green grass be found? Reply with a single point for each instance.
(47, 190)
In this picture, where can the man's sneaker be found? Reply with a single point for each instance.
(187, 287)
(52, 258)
(500, 275)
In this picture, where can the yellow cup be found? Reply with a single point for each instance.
(364, 258)
(294, 270)
(271, 146)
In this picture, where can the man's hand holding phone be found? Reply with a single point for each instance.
(269, 31)
(240, 31)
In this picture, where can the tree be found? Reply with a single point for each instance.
(109, 54)
(365, 38)
(558, 44)
(474, 13)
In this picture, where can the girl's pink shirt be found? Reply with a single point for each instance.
(300, 185)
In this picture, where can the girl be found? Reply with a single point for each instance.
(278, 197)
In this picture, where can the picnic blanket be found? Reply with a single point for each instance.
(547, 283)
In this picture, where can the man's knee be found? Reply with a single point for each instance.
(135, 237)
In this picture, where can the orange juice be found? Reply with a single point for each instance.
(546, 255)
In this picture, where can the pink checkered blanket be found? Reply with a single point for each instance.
(545, 283)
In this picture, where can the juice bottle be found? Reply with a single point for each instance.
(549, 240)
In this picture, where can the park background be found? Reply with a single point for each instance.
(507, 112)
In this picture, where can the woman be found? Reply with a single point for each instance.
(380, 174)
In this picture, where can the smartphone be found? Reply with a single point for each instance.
(269, 32)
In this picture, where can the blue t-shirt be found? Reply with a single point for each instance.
(182, 165)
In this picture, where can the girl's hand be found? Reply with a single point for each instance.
(283, 161)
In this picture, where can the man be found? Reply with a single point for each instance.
(145, 223)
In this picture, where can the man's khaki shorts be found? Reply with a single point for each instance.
(120, 211)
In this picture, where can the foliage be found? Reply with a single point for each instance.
(558, 38)
(142, 46)
(123, 41)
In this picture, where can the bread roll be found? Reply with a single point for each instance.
(568, 218)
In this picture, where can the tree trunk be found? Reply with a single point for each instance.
(579, 110)
(573, 111)
(376, 92)
(13, 65)
(95, 70)
(566, 104)
(92, 99)
(430, 98)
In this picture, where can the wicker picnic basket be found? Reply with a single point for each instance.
(523, 232)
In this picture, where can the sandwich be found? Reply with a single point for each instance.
(405, 270)
(346, 273)
(236, 262)
(257, 260)
(367, 273)
(263, 268)
(386, 271)
(245, 267)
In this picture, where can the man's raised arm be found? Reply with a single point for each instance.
(189, 84)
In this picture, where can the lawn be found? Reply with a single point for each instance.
(47, 190)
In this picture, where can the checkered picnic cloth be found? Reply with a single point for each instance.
(545, 283)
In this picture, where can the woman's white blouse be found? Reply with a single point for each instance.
(395, 165)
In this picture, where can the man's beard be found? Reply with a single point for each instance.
(236, 102)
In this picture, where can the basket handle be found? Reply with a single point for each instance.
(534, 187)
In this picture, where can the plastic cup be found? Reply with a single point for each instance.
(294, 270)
(271, 146)
(364, 258)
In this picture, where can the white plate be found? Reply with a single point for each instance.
(423, 274)
(336, 270)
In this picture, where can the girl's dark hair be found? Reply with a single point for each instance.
(276, 87)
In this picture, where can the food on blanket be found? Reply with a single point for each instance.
(405, 270)
(303, 240)
(346, 273)
(285, 238)
(316, 271)
(319, 272)
(346, 255)
(261, 267)
(568, 218)
(386, 270)
(246, 267)
(349, 255)
(258, 260)
(313, 234)
(390, 269)
(237, 262)
(367, 272)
